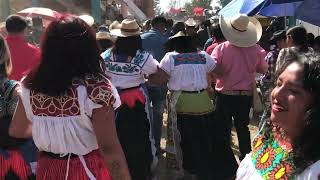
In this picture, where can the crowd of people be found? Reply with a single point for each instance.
(89, 104)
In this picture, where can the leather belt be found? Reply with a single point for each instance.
(200, 91)
(58, 156)
(237, 92)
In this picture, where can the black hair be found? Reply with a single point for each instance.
(217, 33)
(169, 23)
(158, 20)
(183, 44)
(16, 24)
(69, 51)
(299, 37)
(6, 65)
(104, 44)
(310, 39)
(178, 26)
(306, 149)
(128, 45)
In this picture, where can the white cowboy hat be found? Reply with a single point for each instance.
(87, 18)
(128, 27)
(191, 22)
(241, 30)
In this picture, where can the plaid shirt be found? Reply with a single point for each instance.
(271, 59)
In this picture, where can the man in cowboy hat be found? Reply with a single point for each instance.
(240, 58)
(191, 31)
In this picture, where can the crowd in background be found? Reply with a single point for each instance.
(88, 102)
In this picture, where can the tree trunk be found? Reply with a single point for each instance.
(4, 9)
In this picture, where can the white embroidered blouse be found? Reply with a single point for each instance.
(62, 125)
(129, 74)
(247, 171)
(187, 71)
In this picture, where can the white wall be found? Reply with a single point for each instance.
(310, 28)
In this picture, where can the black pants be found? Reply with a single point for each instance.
(196, 144)
(228, 107)
(133, 132)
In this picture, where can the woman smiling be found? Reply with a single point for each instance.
(287, 147)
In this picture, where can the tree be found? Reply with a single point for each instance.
(224, 2)
(156, 7)
(4, 9)
(205, 4)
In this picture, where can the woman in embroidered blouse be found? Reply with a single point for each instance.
(67, 104)
(16, 154)
(127, 64)
(190, 107)
(288, 146)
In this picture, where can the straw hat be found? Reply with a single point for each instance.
(103, 35)
(107, 22)
(278, 35)
(88, 19)
(128, 27)
(191, 22)
(241, 30)
(177, 35)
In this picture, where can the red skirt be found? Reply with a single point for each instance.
(16, 164)
(55, 169)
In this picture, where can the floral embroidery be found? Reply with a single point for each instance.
(189, 58)
(124, 67)
(140, 58)
(134, 67)
(271, 160)
(265, 159)
(281, 171)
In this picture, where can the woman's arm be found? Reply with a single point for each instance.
(159, 78)
(103, 121)
(21, 126)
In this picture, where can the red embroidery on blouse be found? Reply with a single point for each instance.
(62, 106)
(100, 91)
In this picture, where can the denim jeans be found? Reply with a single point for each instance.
(157, 97)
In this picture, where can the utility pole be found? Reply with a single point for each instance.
(96, 10)
(4, 9)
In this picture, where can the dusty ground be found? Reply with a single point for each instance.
(165, 174)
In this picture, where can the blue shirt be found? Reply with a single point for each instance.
(153, 42)
(208, 43)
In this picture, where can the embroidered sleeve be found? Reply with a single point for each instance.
(165, 64)
(150, 66)
(210, 62)
(100, 90)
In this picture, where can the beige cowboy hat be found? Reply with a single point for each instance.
(241, 30)
(108, 22)
(128, 27)
(190, 22)
(104, 35)
(177, 35)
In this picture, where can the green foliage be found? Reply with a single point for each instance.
(197, 3)
(224, 2)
